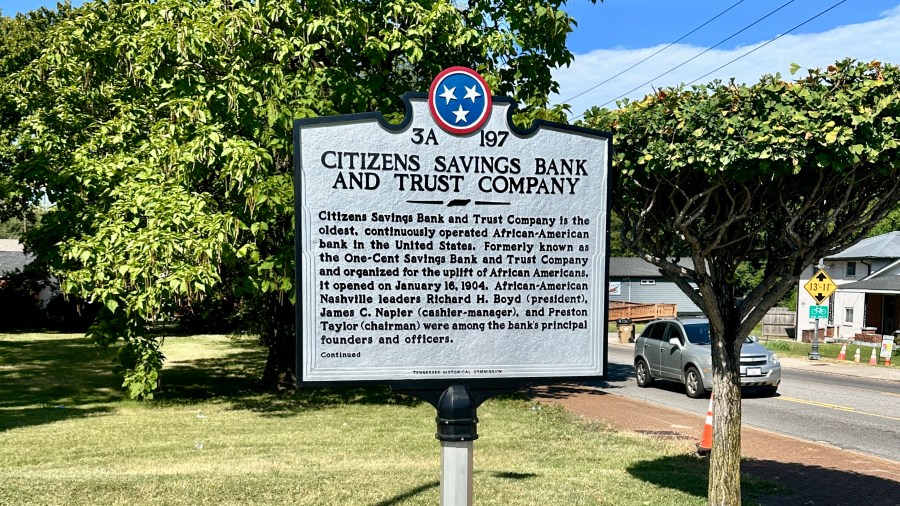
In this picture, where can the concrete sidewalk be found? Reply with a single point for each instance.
(813, 473)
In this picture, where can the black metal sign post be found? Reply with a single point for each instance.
(453, 256)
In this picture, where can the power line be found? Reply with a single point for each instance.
(656, 53)
(767, 42)
(735, 34)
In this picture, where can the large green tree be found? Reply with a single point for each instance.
(21, 40)
(777, 174)
(890, 223)
(161, 130)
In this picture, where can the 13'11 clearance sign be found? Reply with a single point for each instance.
(453, 246)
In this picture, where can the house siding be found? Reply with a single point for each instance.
(662, 292)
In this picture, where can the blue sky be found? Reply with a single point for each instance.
(614, 35)
(633, 24)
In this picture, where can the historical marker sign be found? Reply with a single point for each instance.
(820, 287)
(452, 246)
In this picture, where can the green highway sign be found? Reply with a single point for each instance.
(818, 311)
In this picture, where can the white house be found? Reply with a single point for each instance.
(867, 300)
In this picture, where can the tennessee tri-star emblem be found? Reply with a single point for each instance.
(460, 100)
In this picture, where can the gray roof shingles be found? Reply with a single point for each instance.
(12, 260)
(624, 267)
(881, 246)
(889, 283)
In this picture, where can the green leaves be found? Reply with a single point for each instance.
(776, 174)
(162, 131)
(839, 117)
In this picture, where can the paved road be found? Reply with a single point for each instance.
(847, 412)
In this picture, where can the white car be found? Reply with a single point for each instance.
(679, 350)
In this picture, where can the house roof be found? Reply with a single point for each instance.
(633, 267)
(12, 260)
(11, 256)
(881, 246)
(10, 245)
(884, 284)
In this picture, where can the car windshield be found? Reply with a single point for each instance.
(698, 333)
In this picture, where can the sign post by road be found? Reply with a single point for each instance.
(452, 256)
(819, 287)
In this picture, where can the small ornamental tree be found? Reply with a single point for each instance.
(162, 132)
(777, 174)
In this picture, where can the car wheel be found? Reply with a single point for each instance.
(768, 391)
(642, 372)
(693, 383)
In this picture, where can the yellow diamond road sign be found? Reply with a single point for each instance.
(820, 287)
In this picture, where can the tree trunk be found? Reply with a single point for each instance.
(277, 333)
(725, 459)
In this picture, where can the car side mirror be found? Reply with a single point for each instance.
(754, 339)
(675, 341)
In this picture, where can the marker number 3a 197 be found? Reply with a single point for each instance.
(492, 139)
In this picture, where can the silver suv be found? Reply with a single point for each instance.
(679, 350)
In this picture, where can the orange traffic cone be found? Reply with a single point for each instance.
(705, 445)
(873, 360)
(843, 354)
(856, 356)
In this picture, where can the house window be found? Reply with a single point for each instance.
(851, 269)
(848, 315)
(648, 281)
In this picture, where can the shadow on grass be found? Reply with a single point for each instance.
(408, 494)
(681, 472)
(44, 380)
(48, 380)
(765, 482)
(690, 474)
(399, 498)
(509, 475)
(235, 378)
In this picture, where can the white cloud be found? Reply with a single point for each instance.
(873, 40)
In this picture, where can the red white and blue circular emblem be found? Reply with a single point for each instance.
(460, 100)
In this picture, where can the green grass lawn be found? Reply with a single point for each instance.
(67, 436)
(827, 351)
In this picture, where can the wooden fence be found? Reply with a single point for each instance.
(780, 323)
(641, 312)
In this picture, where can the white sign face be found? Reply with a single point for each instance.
(431, 255)
(615, 288)
(887, 346)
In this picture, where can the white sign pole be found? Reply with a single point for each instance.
(456, 472)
